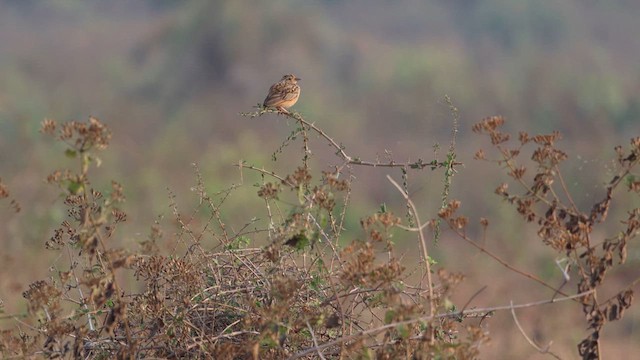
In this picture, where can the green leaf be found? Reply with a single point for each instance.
(305, 333)
(315, 283)
(323, 220)
(70, 153)
(403, 331)
(389, 316)
(268, 342)
(449, 305)
(315, 238)
(75, 187)
(240, 242)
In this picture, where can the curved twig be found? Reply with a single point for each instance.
(340, 150)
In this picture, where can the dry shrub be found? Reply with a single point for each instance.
(307, 293)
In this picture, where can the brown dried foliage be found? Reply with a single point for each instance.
(307, 291)
(546, 201)
(4, 194)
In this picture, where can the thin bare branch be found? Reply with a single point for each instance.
(423, 243)
(541, 350)
(340, 150)
(428, 318)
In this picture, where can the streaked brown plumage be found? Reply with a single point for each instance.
(283, 94)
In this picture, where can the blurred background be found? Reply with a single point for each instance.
(170, 79)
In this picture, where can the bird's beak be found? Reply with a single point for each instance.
(298, 79)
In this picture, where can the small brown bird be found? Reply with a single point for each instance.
(283, 94)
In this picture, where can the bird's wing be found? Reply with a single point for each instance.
(291, 92)
(275, 94)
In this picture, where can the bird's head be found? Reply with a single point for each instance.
(291, 78)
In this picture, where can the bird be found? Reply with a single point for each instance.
(283, 94)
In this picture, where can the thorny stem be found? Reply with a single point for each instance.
(450, 162)
(131, 344)
(464, 237)
(348, 159)
(305, 145)
(82, 301)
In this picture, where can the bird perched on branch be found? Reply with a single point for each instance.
(283, 94)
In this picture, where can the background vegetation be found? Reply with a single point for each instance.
(169, 79)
